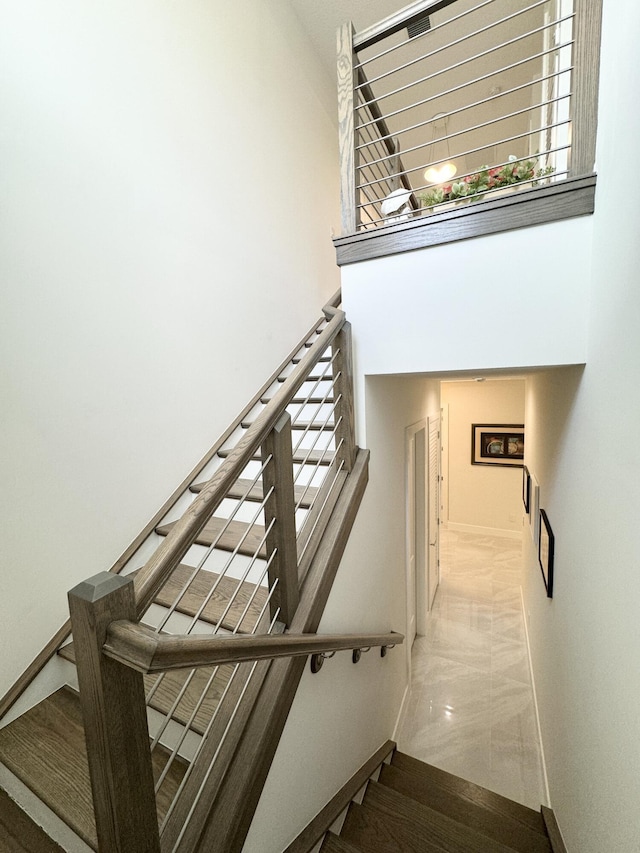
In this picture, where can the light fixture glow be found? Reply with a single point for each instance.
(440, 174)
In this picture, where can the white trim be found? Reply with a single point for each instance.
(457, 527)
(402, 713)
(545, 778)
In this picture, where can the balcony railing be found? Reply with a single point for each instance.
(451, 102)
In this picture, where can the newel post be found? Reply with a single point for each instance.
(346, 130)
(343, 387)
(115, 720)
(280, 505)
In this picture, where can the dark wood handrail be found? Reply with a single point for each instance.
(182, 536)
(144, 650)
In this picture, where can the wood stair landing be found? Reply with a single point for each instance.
(416, 808)
(45, 748)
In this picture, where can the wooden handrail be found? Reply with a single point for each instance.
(144, 650)
(182, 536)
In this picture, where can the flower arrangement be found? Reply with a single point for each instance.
(473, 187)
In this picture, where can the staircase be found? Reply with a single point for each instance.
(411, 807)
(231, 582)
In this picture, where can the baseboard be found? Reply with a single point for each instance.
(402, 713)
(545, 778)
(553, 831)
(458, 527)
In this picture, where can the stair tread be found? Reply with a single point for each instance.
(470, 791)
(369, 832)
(302, 401)
(451, 835)
(170, 685)
(214, 611)
(45, 748)
(254, 492)
(18, 833)
(313, 377)
(301, 457)
(300, 426)
(172, 682)
(230, 539)
(499, 827)
(334, 844)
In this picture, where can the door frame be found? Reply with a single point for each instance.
(416, 500)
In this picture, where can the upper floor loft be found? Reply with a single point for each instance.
(463, 118)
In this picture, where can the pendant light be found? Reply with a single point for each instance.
(445, 171)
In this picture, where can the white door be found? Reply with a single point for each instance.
(434, 509)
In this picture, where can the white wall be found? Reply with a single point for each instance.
(482, 496)
(582, 444)
(509, 300)
(169, 185)
(343, 714)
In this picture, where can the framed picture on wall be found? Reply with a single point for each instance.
(545, 552)
(526, 489)
(534, 506)
(497, 444)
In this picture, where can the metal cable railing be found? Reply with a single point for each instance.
(486, 92)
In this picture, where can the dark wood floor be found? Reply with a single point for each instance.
(18, 833)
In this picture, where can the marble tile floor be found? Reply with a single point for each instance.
(471, 708)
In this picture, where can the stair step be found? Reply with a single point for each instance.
(226, 589)
(450, 835)
(323, 360)
(170, 685)
(334, 844)
(302, 401)
(18, 833)
(45, 748)
(503, 829)
(230, 540)
(245, 489)
(369, 832)
(315, 426)
(469, 791)
(313, 377)
(172, 682)
(300, 457)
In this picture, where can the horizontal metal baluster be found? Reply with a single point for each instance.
(220, 745)
(490, 192)
(308, 486)
(467, 83)
(484, 147)
(467, 61)
(462, 39)
(483, 124)
(322, 378)
(204, 692)
(480, 103)
(319, 515)
(211, 547)
(433, 29)
(206, 600)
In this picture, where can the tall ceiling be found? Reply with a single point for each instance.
(321, 19)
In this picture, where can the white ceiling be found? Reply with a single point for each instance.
(321, 19)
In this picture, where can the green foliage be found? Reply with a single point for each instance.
(472, 187)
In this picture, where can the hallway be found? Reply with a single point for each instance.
(471, 709)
